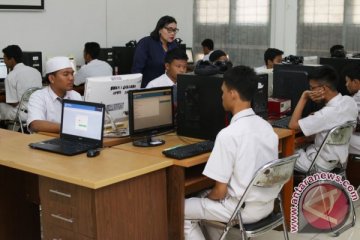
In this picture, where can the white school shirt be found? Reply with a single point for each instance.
(162, 81)
(337, 111)
(44, 105)
(240, 150)
(95, 68)
(20, 79)
(206, 57)
(355, 138)
(261, 69)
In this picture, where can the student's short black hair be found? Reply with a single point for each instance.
(93, 49)
(175, 54)
(352, 71)
(14, 51)
(163, 22)
(244, 80)
(271, 53)
(208, 43)
(337, 51)
(325, 75)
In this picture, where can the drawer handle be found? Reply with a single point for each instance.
(60, 193)
(69, 220)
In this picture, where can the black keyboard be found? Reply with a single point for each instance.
(69, 145)
(282, 122)
(189, 150)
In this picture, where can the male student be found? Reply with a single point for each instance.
(19, 79)
(337, 110)
(240, 150)
(93, 66)
(175, 63)
(208, 48)
(44, 109)
(352, 76)
(271, 56)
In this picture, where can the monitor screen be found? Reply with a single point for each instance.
(290, 81)
(150, 113)
(112, 91)
(3, 70)
(189, 54)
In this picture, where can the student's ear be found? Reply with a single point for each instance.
(167, 66)
(51, 78)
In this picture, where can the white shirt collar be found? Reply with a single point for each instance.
(334, 100)
(243, 113)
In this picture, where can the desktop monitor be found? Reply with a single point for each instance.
(123, 59)
(200, 113)
(150, 113)
(3, 70)
(33, 59)
(290, 81)
(339, 64)
(112, 91)
(189, 54)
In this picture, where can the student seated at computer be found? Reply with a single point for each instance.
(337, 51)
(271, 56)
(337, 110)
(240, 149)
(175, 63)
(208, 48)
(352, 76)
(44, 108)
(19, 79)
(218, 64)
(93, 66)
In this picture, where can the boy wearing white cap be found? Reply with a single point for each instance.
(44, 108)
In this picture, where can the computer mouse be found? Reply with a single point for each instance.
(93, 152)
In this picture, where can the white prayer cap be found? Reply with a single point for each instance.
(57, 63)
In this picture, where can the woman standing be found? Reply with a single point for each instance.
(150, 51)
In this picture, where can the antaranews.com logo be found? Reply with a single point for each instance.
(321, 203)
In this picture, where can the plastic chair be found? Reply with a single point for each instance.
(275, 173)
(22, 107)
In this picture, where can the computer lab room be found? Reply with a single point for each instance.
(179, 120)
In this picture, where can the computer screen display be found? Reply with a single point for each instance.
(189, 54)
(3, 70)
(151, 111)
(290, 81)
(113, 92)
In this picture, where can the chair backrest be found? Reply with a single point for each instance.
(22, 107)
(339, 135)
(272, 174)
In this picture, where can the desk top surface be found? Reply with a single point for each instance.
(111, 166)
(172, 140)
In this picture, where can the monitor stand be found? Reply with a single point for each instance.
(148, 141)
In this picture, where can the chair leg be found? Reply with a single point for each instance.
(350, 225)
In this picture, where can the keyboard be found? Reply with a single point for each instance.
(282, 122)
(189, 150)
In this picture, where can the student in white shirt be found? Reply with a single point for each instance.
(208, 48)
(353, 85)
(240, 150)
(337, 110)
(271, 56)
(19, 79)
(93, 67)
(175, 63)
(44, 109)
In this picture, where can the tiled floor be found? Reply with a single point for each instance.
(350, 234)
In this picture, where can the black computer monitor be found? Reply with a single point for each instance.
(33, 59)
(290, 81)
(200, 113)
(150, 113)
(123, 59)
(339, 64)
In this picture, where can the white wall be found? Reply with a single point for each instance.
(64, 26)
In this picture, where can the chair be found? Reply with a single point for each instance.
(22, 107)
(339, 135)
(275, 173)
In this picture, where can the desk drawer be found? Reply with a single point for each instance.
(67, 206)
(56, 233)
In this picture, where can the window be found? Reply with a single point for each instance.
(324, 11)
(355, 13)
(252, 11)
(213, 11)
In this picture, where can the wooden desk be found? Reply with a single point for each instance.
(185, 176)
(117, 195)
